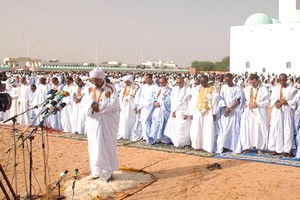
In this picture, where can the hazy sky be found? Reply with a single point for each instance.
(124, 30)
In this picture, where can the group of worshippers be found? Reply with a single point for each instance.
(215, 116)
(32, 93)
(214, 113)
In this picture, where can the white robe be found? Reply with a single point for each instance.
(24, 103)
(145, 103)
(14, 109)
(229, 127)
(178, 129)
(67, 111)
(297, 126)
(32, 100)
(78, 111)
(41, 96)
(254, 123)
(202, 130)
(282, 127)
(127, 115)
(102, 129)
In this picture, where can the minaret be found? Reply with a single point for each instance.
(287, 10)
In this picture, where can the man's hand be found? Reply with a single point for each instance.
(214, 117)
(156, 105)
(227, 112)
(137, 111)
(279, 103)
(252, 105)
(173, 114)
(95, 107)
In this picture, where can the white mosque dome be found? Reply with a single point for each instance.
(258, 19)
(275, 21)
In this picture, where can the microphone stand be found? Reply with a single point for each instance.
(14, 145)
(73, 185)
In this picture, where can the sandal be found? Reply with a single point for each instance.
(217, 166)
(210, 167)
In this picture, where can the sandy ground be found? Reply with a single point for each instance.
(179, 176)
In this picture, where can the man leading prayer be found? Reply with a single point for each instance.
(102, 126)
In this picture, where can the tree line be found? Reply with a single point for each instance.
(223, 65)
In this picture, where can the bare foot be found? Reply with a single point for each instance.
(259, 152)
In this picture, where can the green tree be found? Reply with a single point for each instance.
(212, 66)
(203, 65)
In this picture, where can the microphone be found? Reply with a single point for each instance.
(59, 108)
(62, 95)
(50, 96)
(50, 107)
(75, 173)
(55, 110)
(62, 175)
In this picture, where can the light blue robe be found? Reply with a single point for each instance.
(160, 118)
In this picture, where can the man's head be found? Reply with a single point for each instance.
(78, 82)
(97, 77)
(33, 88)
(23, 80)
(197, 81)
(128, 80)
(204, 81)
(69, 80)
(228, 79)
(283, 79)
(43, 80)
(163, 82)
(148, 79)
(180, 81)
(254, 80)
(55, 81)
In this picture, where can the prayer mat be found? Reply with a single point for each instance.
(265, 158)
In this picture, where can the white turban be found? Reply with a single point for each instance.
(97, 73)
(128, 78)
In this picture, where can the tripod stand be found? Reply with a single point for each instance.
(8, 184)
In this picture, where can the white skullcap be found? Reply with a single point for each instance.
(128, 78)
(97, 73)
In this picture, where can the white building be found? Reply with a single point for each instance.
(268, 45)
(21, 63)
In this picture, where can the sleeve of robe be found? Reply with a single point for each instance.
(108, 104)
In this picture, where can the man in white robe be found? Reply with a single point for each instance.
(127, 103)
(230, 110)
(80, 90)
(41, 95)
(145, 104)
(178, 126)
(67, 111)
(297, 124)
(283, 101)
(32, 101)
(54, 121)
(254, 120)
(24, 101)
(203, 108)
(161, 112)
(102, 126)
(14, 93)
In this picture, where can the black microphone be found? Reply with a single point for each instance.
(59, 108)
(50, 96)
(62, 175)
(75, 173)
(50, 107)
